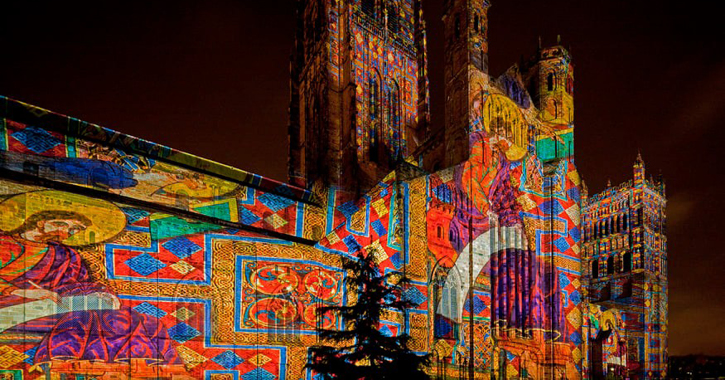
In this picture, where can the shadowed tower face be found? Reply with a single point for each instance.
(466, 58)
(359, 91)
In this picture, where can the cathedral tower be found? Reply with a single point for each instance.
(625, 256)
(466, 52)
(359, 93)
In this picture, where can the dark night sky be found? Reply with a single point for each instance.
(211, 78)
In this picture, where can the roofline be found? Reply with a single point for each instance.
(32, 115)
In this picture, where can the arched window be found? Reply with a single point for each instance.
(457, 26)
(450, 297)
(610, 226)
(596, 230)
(475, 22)
(627, 265)
(550, 79)
(370, 7)
(595, 268)
(447, 307)
(393, 17)
(439, 231)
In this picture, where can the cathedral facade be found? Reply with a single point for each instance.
(625, 270)
(121, 257)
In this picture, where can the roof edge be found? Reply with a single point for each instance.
(32, 115)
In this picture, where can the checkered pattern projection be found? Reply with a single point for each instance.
(625, 271)
(121, 258)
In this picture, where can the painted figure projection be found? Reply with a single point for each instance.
(49, 295)
(121, 258)
(492, 234)
(93, 287)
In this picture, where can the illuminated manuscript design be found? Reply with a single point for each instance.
(119, 256)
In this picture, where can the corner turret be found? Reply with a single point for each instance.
(549, 78)
(550, 81)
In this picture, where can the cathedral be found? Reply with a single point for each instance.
(121, 258)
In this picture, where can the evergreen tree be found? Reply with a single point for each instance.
(360, 350)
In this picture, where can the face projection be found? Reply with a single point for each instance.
(53, 226)
(58, 229)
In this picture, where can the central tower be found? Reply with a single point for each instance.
(359, 91)
(466, 56)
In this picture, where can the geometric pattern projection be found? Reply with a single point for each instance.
(118, 255)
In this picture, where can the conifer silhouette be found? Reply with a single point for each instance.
(359, 350)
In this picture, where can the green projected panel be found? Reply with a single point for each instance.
(547, 149)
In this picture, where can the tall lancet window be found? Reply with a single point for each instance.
(393, 17)
(447, 313)
(393, 119)
(370, 7)
(550, 82)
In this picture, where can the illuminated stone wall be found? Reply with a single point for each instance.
(506, 224)
(504, 216)
(119, 255)
(625, 247)
(207, 271)
(152, 267)
(359, 97)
